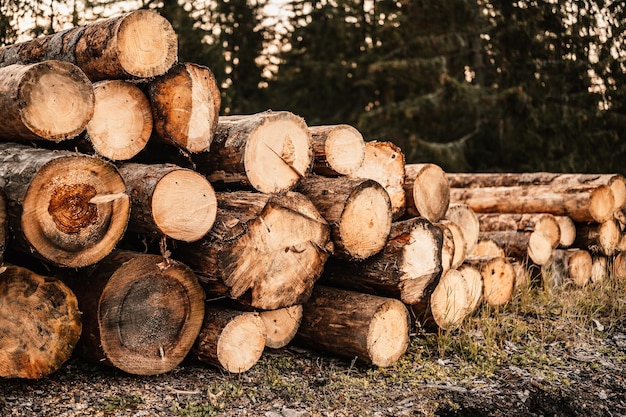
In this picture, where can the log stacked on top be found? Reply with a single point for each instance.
(179, 231)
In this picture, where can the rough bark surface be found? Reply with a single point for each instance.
(137, 44)
(351, 324)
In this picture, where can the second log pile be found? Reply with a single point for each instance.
(176, 230)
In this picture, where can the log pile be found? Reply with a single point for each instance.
(175, 231)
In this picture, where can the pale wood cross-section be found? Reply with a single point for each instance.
(185, 105)
(384, 163)
(571, 266)
(67, 208)
(122, 120)
(141, 312)
(427, 191)
(603, 238)
(168, 200)
(46, 101)
(337, 149)
(229, 339)
(355, 325)
(41, 323)
(407, 268)
(498, 278)
(358, 210)
(467, 220)
(268, 151)
(281, 325)
(261, 245)
(139, 44)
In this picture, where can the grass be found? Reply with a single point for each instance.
(539, 334)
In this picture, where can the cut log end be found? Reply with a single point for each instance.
(449, 302)
(281, 325)
(339, 150)
(366, 221)
(601, 204)
(278, 153)
(429, 191)
(466, 218)
(567, 227)
(57, 99)
(41, 324)
(388, 335)
(498, 281)
(184, 205)
(147, 44)
(64, 217)
(474, 282)
(149, 315)
(122, 121)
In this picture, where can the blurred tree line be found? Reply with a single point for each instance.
(473, 85)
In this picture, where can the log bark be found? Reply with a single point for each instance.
(567, 267)
(41, 323)
(67, 208)
(138, 44)
(231, 340)
(122, 121)
(269, 152)
(185, 105)
(264, 251)
(466, 218)
(591, 203)
(407, 268)
(447, 306)
(281, 325)
(384, 163)
(568, 231)
(427, 191)
(47, 101)
(141, 312)
(358, 210)
(526, 246)
(350, 324)
(601, 238)
(498, 278)
(168, 200)
(543, 223)
(337, 149)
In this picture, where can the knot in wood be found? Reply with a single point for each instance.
(70, 208)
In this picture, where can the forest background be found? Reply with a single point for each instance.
(472, 85)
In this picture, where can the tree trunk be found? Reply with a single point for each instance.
(281, 325)
(590, 203)
(122, 121)
(427, 191)
(186, 104)
(453, 246)
(618, 269)
(231, 340)
(568, 266)
(568, 231)
(531, 246)
(498, 278)
(141, 312)
(3, 223)
(337, 149)
(407, 268)
(466, 219)
(447, 306)
(358, 210)
(264, 251)
(269, 151)
(41, 323)
(602, 238)
(168, 200)
(137, 44)
(352, 325)
(384, 163)
(599, 268)
(543, 223)
(69, 209)
(47, 101)
(474, 282)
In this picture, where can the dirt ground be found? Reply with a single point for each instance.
(581, 379)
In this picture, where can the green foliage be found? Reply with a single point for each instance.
(124, 402)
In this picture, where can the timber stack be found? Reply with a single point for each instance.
(154, 228)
